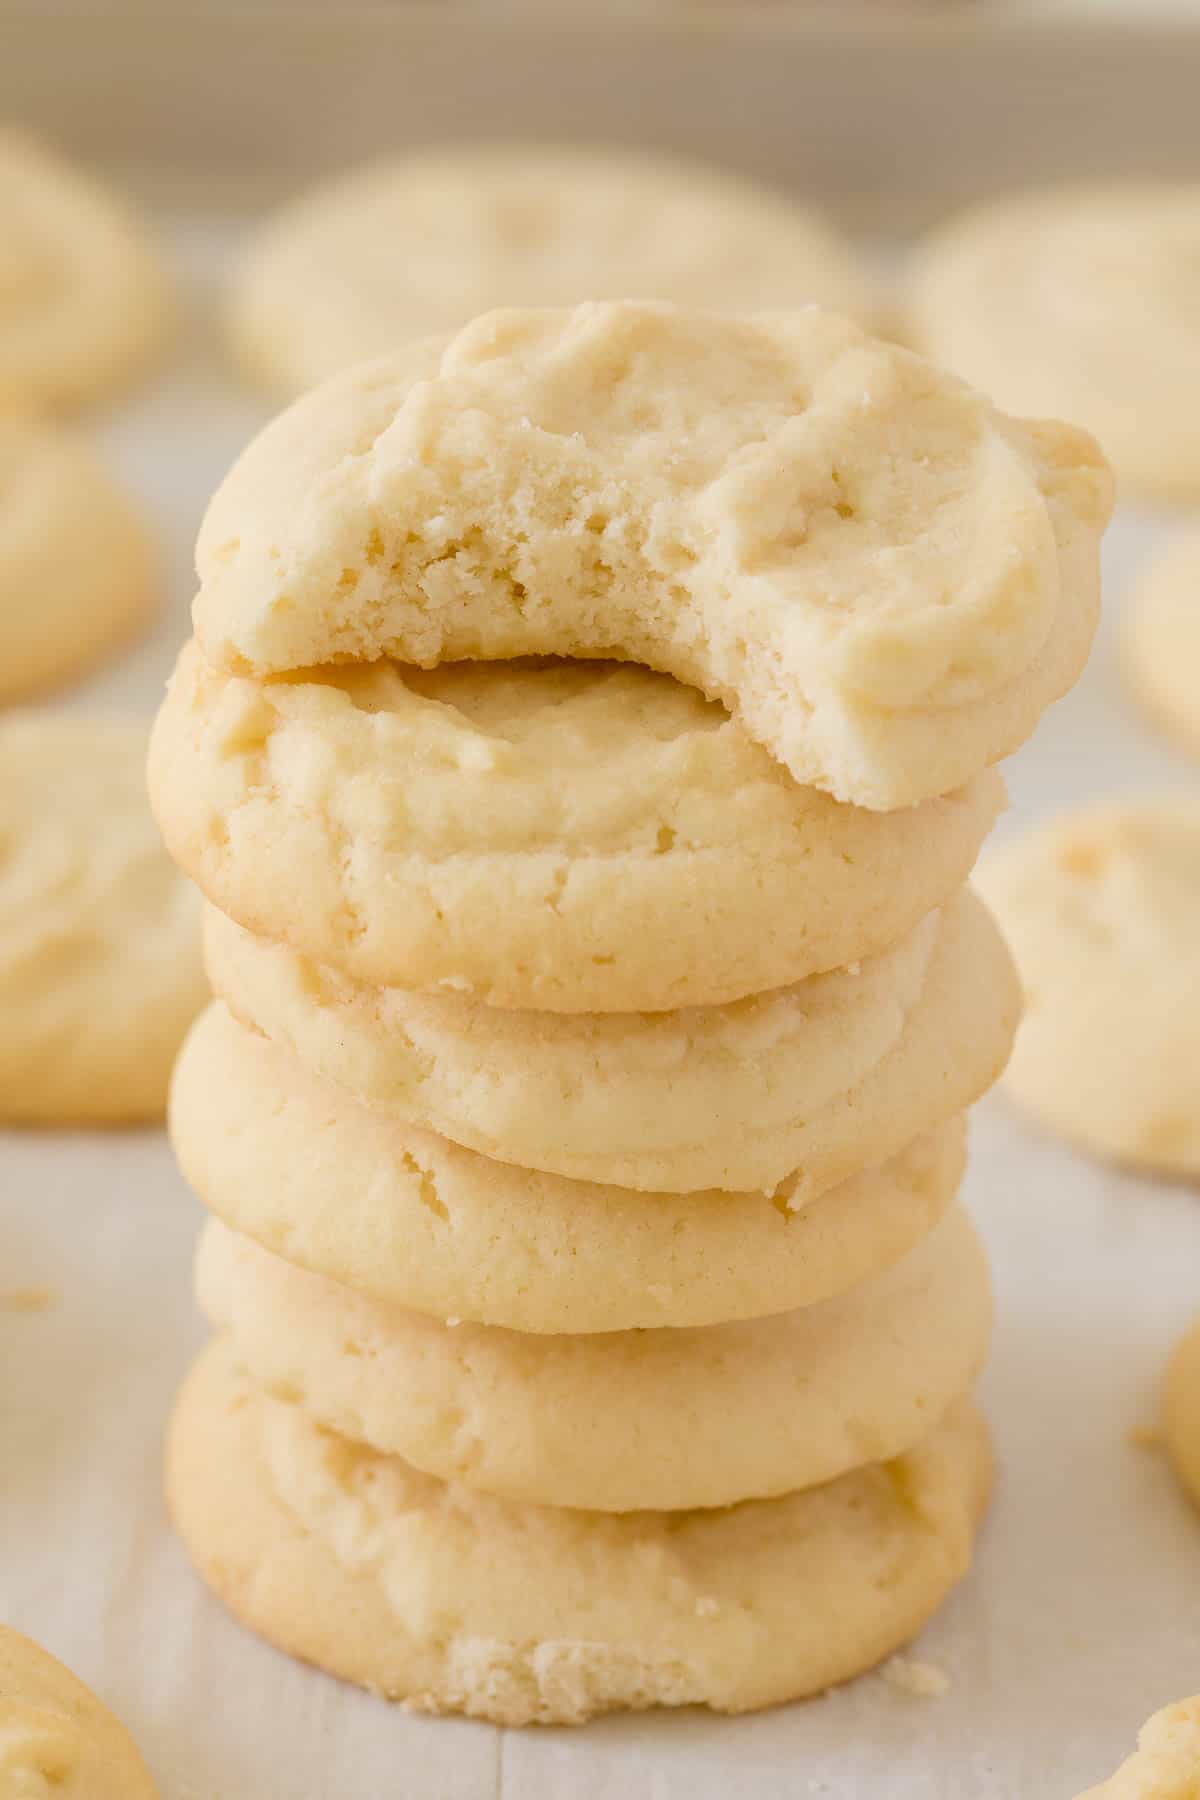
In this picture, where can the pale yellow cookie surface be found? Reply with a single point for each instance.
(618, 1421)
(83, 299)
(100, 963)
(1166, 1764)
(1181, 1412)
(808, 1084)
(456, 1602)
(573, 837)
(416, 1221)
(420, 244)
(1162, 639)
(57, 1742)
(1080, 303)
(1101, 909)
(77, 572)
(887, 580)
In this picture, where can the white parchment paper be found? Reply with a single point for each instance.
(1081, 1616)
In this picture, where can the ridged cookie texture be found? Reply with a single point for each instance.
(418, 1222)
(565, 836)
(1166, 1763)
(884, 578)
(452, 1601)
(1101, 910)
(1081, 302)
(1161, 639)
(100, 962)
(416, 244)
(85, 298)
(617, 1421)
(78, 575)
(56, 1739)
(804, 1086)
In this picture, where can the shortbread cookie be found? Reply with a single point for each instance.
(1181, 1412)
(618, 1420)
(1162, 638)
(100, 964)
(418, 1222)
(1101, 908)
(398, 249)
(57, 1742)
(886, 580)
(77, 573)
(579, 837)
(85, 299)
(456, 1602)
(808, 1084)
(1083, 303)
(1166, 1765)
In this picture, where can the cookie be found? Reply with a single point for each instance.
(1181, 1412)
(577, 837)
(884, 578)
(399, 249)
(100, 965)
(85, 298)
(77, 572)
(1162, 639)
(1166, 1765)
(1101, 909)
(807, 1084)
(1079, 303)
(419, 1223)
(623, 1420)
(55, 1736)
(452, 1601)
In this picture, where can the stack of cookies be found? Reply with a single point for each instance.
(584, 744)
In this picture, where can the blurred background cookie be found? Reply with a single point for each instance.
(100, 967)
(1102, 911)
(1166, 1763)
(56, 1739)
(78, 572)
(1181, 1412)
(1079, 303)
(405, 248)
(83, 296)
(1162, 638)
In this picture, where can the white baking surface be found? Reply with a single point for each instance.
(1081, 1614)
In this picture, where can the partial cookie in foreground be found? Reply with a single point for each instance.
(417, 1222)
(805, 1085)
(56, 1739)
(397, 250)
(1162, 638)
(1166, 1764)
(1181, 1412)
(618, 1421)
(78, 574)
(454, 1602)
(1079, 303)
(570, 837)
(86, 301)
(1102, 910)
(887, 580)
(100, 963)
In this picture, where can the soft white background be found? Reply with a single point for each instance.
(1080, 1618)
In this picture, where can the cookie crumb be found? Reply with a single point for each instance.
(922, 1680)
(706, 1606)
(28, 1300)
(1145, 1437)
